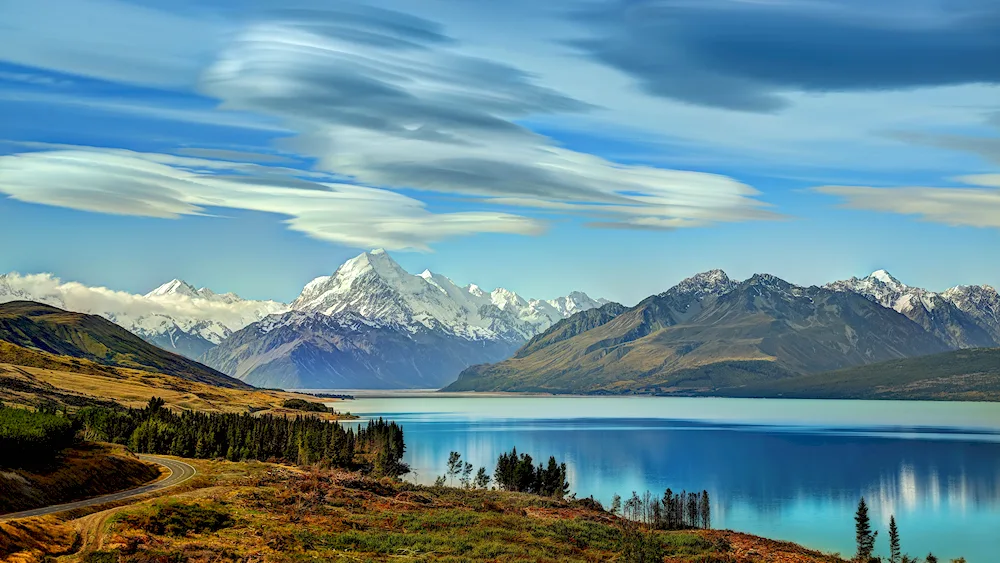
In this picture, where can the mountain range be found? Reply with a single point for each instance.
(710, 332)
(370, 324)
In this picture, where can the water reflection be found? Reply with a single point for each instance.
(799, 482)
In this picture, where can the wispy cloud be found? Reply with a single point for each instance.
(976, 205)
(416, 114)
(164, 186)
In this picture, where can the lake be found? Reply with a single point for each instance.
(785, 469)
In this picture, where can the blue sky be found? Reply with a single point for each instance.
(612, 146)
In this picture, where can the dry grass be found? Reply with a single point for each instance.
(74, 382)
(259, 512)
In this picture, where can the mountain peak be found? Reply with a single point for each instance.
(768, 280)
(712, 282)
(175, 287)
(886, 278)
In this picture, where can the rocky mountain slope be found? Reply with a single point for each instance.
(709, 332)
(973, 324)
(371, 324)
(35, 326)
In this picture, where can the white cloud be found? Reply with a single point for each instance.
(974, 206)
(166, 186)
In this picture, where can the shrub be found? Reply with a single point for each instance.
(303, 405)
(176, 519)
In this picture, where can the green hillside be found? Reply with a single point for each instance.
(49, 329)
(962, 375)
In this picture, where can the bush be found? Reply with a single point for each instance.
(28, 437)
(303, 405)
(176, 519)
(638, 546)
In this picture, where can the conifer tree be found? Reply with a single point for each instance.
(616, 504)
(482, 480)
(706, 511)
(894, 551)
(863, 533)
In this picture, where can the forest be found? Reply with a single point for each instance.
(375, 448)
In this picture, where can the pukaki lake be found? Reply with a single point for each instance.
(785, 469)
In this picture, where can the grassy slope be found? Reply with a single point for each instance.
(261, 512)
(49, 329)
(962, 375)
(27, 376)
(81, 472)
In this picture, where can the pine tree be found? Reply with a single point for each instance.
(616, 504)
(931, 558)
(894, 551)
(863, 533)
(706, 511)
(482, 480)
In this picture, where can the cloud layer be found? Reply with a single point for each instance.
(977, 205)
(747, 55)
(156, 185)
(404, 109)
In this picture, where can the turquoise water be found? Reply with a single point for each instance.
(785, 469)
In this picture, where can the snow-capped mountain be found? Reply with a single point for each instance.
(965, 326)
(174, 316)
(374, 286)
(373, 324)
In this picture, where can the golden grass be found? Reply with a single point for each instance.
(73, 381)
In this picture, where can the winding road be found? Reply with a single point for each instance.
(179, 473)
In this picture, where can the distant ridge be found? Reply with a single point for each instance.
(959, 375)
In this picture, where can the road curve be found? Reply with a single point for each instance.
(179, 473)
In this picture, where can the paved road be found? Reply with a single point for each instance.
(179, 473)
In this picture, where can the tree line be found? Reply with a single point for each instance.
(29, 438)
(377, 447)
(865, 538)
(672, 511)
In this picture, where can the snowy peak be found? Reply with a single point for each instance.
(575, 302)
(962, 317)
(373, 286)
(887, 279)
(175, 287)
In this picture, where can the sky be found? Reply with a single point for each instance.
(612, 146)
